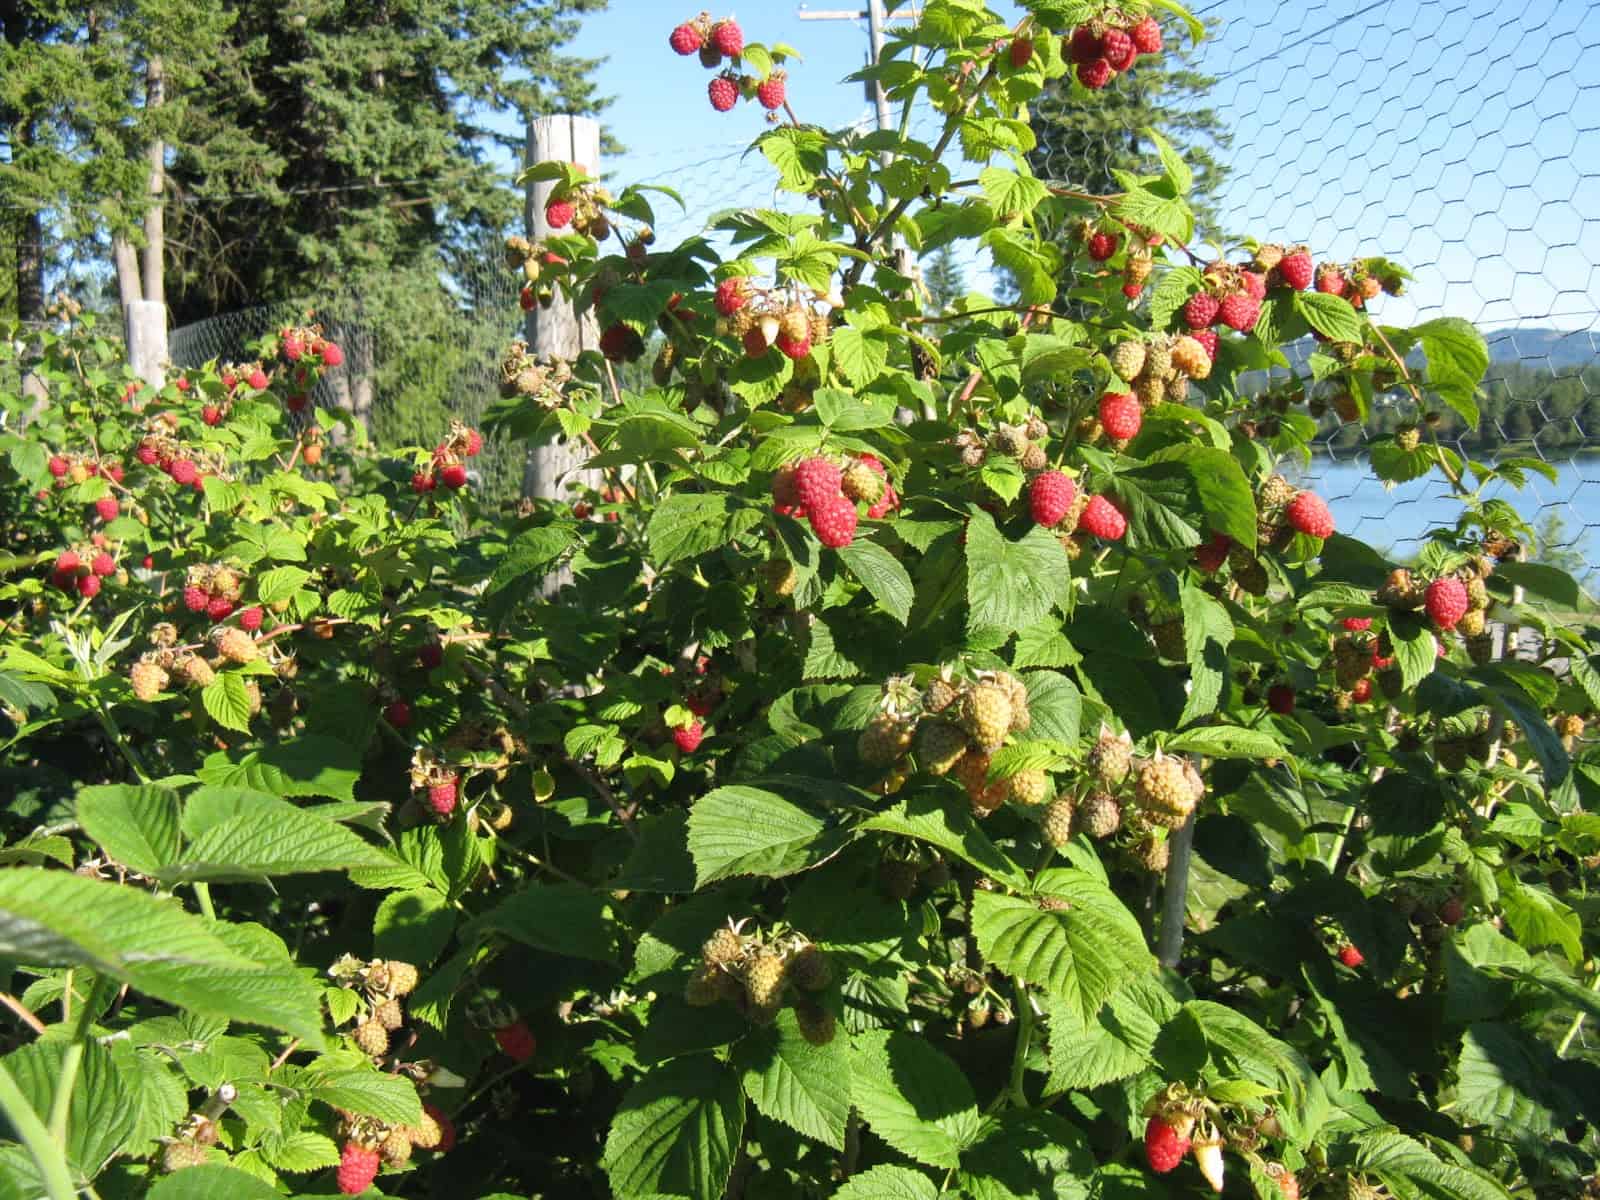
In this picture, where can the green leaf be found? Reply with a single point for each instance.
(1178, 172)
(310, 765)
(303, 1150)
(1227, 741)
(860, 357)
(888, 1183)
(686, 525)
(1539, 919)
(1220, 486)
(1411, 1169)
(1540, 581)
(914, 1097)
(270, 836)
(882, 575)
(1547, 747)
(1173, 289)
(279, 583)
(1012, 585)
(227, 701)
(1207, 634)
(1164, 214)
(1079, 954)
(562, 918)
(531, 552)
(1113, 1045)
(53, 918)
(938, 819)
(676, 1132)
(1457, 359)
(1028, 1156)
(364, 1089)
(212, 1181)
(1415, 651)
(741, 830)
(1011, 194)
(788, 1079)
(413, 926)
(101, 1115)
(1331, 316)
(1056, 706)
(136, 826)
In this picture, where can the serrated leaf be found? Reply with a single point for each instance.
(742, 830)
(1079, 954)
(1207, 634)
(302, 1150)
(562, 918)
(211, 1181)
(686, 525)
(100, 1114)
(365, 1090)
(227, 701)
(279, 583)
(1457, 359)
(788, 1079)
(941, 821)
(1163, 214)
(271, 837)
(1028, 1156)
(53, 918)
(1411, 1169)
(413, 926)
(676, 1132)
(914, 1097)
(1227, 741)
(861, 357)
(1547, 748)
(1115, 1044)
(136, 826)
(1012, 585)
(1415, 651)
(531, 552)
(888, 1183)
(1330, 316)
(310, 765)
(882, 575)
(1539, 919)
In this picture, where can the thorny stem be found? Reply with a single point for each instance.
(1019, 1056)
(48, 1156)
(1577, 1022)
(21, 1013)
(71, 1063)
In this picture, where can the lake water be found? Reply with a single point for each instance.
(1400, 517)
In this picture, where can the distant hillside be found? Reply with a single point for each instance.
(1550, 348)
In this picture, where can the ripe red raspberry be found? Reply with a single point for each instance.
(724, 93)
(816, 481)
(773, 90)
(558, 213)
(250, 619)
(107, 508)
(148, 562)
(688, 738)
(358, 1167)
(181, 384)
(1118, 49)
(834, 521)
(147, 454)
(1240, 311)
(103, 564)
(1357, 624)
(88, 586)
(398, 714)
(516, 1040)
(219, 608)
(795, 348)
(755, 342)
(113, 472)
(183, 471)
(1296, 270)
(430, 655)
(527, 298)
(1103, 519)
(1330, 280)
(1050, 495)
(1201, 310)
(886, 504)
(621, 343)
(1381, 661)
(211, 414)
(1083, 46)
(474, 444)
(1210, 557)
(1362, 692)
(229, 381)
(453, 476)
(298, 402)
(332, 356)
(1351, 957)
(59, 466)
(1120, 414)
(422, 481)
(258, 380)
(732, 295)
(1446, 601)
(728, 38)
(686, 39)
(1146, 36)
(1020, 52)
(1102, 246)
(195, 599)
(1280, 699)
(1452, 910)
(1255, 284)
(1095, 75)
(442, 796)
(1207, 338)
(1132, 290)
(1164, 1146)
(1308, 513)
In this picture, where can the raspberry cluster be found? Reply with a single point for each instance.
(382, 984)
(1230, 296)
(1158, 369)
(1104, 47)
(447, 464)
(309, 354)
(825, 494)
(541, 380)
(761, 319)
(436, 784)
(758, 975)
(82, 572)
(715, 41)
(581, 205)
(70, 470)
(541, 269)
(1102, 240)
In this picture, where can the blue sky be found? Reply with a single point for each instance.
(1460, 136)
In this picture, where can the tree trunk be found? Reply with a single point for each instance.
(126, 259)
(29, 249)
(155, 284)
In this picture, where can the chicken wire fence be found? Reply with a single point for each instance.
(1459, 137)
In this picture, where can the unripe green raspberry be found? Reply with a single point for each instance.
(885, 740)
(1408, 438)
(373, 1038)
(1151, 390)
(175, 1156)
(1252, 578)
(703, 988)
(940, 695)
(764, 978)
(939, 746)
(1152, 854)
(1056, 823)
(1480, 649)
(1011, 440)
(811, 970)
(1017, 694)
(817, 1025)
(402, 977)
(388, 1014)
(898, 878)
(1477, 597)
(861, 482)
(1127, 360)
(1164, 792)
(1168, 637)
(396, 1148)
(723, 948)
(1276, 491)
(1030, 787)
(1034, 458)
(778, 578)
(1472, 623)
(1110, 758)
(1157, 362)
(986, 710)
(148, 679)
(1099, 815)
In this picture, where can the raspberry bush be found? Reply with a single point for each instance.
(948, 756)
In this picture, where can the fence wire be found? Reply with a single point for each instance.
(1459, 137)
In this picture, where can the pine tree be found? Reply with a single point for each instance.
(944, 279)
